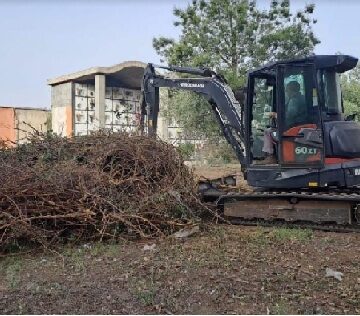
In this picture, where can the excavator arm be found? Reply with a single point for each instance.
(213, 87)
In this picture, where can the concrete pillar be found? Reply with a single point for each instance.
(62, 109)
(100, 101)
(163, 122)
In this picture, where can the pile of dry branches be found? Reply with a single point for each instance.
(93, 187)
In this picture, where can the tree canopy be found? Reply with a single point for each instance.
(350, 84)
(232, 36)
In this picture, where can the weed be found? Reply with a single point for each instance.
(145, 289)
(187, 150)
(76, 258)
(104, 249)
(219, 232)
(146, 297)
(281, 308)
(12, 268)
(34, 288)
(97, 248)
(21, 310)
(179, 210)
(284, 234)
(258, 238)
(329, 240)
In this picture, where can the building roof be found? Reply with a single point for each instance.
(129, 73)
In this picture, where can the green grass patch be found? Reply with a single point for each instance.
(285, 234)
(146, 297)
(75, 257)
(104, 249)
(11, 267)
(144, 289)
(258, 238)
(281, 308)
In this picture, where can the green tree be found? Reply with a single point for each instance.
(231, 36)
(350, 84)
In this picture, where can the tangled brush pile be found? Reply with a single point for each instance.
(88, 188)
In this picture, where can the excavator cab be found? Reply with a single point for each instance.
(282, 106)
(294, 113)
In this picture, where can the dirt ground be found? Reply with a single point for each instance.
(223, 269)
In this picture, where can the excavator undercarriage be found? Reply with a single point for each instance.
(330, 210)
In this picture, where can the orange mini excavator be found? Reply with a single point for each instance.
(295, 109)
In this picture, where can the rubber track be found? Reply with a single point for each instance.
(321, 227)
(336, 195)
(303, 195)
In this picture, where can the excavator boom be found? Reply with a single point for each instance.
(227, 110)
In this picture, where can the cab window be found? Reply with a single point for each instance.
(262, 104)
(330, 83)
(300, 96)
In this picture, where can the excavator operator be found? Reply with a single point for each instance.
(295, 111)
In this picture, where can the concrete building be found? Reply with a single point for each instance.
(17, 122)
(106, 98)
(97, 98)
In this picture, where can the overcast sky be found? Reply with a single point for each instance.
(41, 40)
